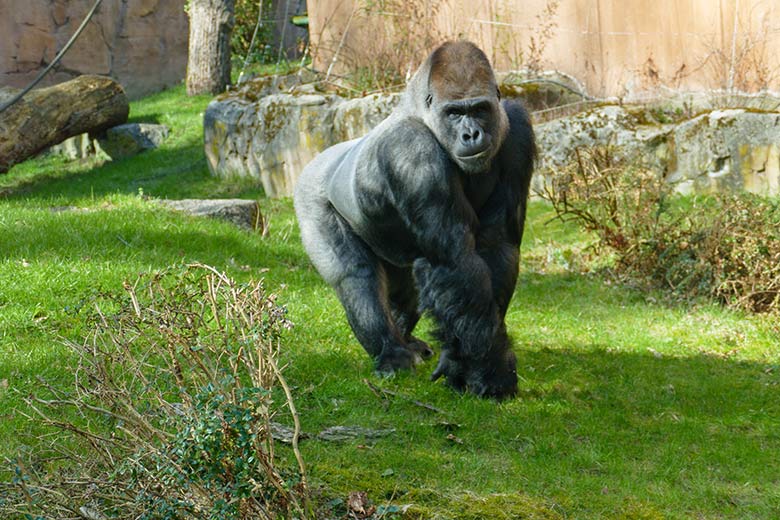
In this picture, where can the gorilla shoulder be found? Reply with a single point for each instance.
(407, 149)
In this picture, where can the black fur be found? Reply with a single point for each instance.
(399, 221)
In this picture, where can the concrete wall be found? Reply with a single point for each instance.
(140, 43)
(625, 48)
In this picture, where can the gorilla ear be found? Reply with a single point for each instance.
(498, 93)
(428, 100)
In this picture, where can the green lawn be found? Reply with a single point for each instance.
(630, 406)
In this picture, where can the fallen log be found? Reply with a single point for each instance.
(47, 116)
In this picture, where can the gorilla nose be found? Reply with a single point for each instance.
(472, 142)
(471, 135)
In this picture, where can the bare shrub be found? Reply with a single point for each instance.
(407, 32)
(524, 54)
(396, 36)
(747, 64)
(599, 192)
(176, 385)
(724, 246)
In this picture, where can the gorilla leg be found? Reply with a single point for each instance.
(404, 307)
(354, 271)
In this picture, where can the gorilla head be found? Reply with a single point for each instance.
(462, 105)
(425, 213)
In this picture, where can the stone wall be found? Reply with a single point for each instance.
(140, 43)
(272, 137)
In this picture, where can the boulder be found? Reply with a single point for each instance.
(77, 147)
(734, 149)
(243, 213)
(131, 139)
(627, 132)
(116, 143)
(273, 138)
(728, 150)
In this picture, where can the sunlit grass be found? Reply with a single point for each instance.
(630, 406)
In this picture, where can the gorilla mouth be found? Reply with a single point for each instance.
(478, 155)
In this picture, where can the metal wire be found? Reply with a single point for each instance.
(56, 60)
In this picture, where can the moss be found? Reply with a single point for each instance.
(275, 117)
(539, 96)
(656, 115)
(475, 507)
(349, 118)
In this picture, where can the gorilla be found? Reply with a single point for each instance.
(425, 214)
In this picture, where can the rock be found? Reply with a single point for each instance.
(254, 88)
(344, 433)
(609, 125)
(612, 126)
(76, 147)
(540, 91)
(728, 150)
(131, 139)
(91, 514)
(116, 143)
(285, 434)
(6, 93)
(243, 213)
(273, 138)
(720, 150)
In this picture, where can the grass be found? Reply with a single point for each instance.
(631, 406)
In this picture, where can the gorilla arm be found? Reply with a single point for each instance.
(455, 282)
(502, 217)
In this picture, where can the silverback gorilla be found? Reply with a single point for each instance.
(425, 213)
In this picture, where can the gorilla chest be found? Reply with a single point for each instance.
(390, 235)
(478, 188)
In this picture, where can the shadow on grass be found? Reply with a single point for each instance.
(593, 432)
(153, 117)
(53, 177)
(608, 423)
(171, 171)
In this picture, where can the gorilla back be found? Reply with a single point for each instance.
(426, 213)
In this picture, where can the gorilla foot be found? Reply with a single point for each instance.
(391, 360)
(420, 348)
(496, 379)
(452, 369)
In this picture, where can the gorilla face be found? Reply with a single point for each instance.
(463, 106)
(469, 129)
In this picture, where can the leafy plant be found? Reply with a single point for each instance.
(251, 16)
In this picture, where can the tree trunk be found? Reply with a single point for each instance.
(47, 116)
(208, 67)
